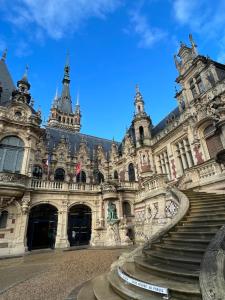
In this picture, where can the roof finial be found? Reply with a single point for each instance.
(137, 88)
(4, 54)
(78, 99)
(25, 75)
(67, 58)
(56, 93)
(193, 45)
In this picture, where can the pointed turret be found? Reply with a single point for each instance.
(138, 101)
(6, 82)
(62, 115)
(4, 54)
(22, 94)
(141, 122)
(65, 101)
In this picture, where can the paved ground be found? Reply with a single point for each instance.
(51, 275)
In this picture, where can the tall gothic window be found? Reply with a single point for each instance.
(99, 178)
(131, 172)
(3, 219)
(37, 172)
(141, 133)
(59, 174)
(11, 154)
(126, 209)
(81, 177)
(163, 163)
(184, 155)
(116, 176)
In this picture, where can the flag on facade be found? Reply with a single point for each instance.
(47, 162)
(78, 168)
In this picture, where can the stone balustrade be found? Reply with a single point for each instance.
(154, 183)
(202, 174)
(84, 187)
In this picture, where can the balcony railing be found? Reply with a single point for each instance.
(83, 187)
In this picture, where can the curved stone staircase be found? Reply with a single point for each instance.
(172, 262)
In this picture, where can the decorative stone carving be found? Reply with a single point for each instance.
(212, 281)
(109, 190)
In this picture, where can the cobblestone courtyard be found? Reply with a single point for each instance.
(52, 275)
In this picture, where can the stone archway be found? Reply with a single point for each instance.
(79, 225)
(42, 227)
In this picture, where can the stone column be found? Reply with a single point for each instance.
(62, 236)
(19, 246)
(26, 160)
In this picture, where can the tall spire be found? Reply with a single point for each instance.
(4, 54)
(138, 101)
(66, 103)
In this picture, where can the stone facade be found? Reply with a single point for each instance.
(54, 181)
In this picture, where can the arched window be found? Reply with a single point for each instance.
(126, 209)
(116, 176)
(131, 172)
(37, 172)
(99, 178)
(213, 140)
(141, 133)
(59, 174)
(3, 219)
(11, 154)
(81, 177)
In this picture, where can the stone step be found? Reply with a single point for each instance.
(180, 249)
(206, 197)
(86, 292)
(207, 205)
(204, 210)
(215, 216)
(196, 227)
(186, 241)
(204, 222)
(167, 252)
(184, 291)
(207, 212)
(172, 257)
(102, 289)
(193, 234)
(161, 269)
(129, 291)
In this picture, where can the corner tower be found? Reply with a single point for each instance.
(62, 115)
(142, 123)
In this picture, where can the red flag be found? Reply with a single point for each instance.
(78, 168)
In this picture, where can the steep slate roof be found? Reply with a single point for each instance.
(6, 83)
(162, 124)
(54, 135)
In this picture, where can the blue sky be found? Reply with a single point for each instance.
(113, 45)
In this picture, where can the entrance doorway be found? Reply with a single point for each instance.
(42, 227)
(79, 225)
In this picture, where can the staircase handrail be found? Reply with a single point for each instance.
(212, 271)
(184, 205)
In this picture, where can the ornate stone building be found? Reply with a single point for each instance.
(61, 188)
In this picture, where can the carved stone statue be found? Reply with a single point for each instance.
(112, 213)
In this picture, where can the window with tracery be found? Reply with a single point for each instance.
(11, 154)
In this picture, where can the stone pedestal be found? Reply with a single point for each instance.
(113, 234)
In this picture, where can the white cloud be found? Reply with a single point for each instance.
(204, 18)
(148, 35)
(57, 18)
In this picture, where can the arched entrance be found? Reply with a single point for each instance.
(79, 225)
(42, 227)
